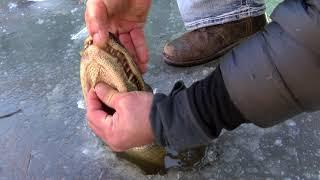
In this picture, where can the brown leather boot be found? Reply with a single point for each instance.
(206, 44)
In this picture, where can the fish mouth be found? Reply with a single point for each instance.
(125, 66)
(131, 77)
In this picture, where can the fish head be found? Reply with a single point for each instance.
(111, 64)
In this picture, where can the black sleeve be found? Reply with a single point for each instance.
(193, 116)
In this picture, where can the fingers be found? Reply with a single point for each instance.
(99, 120)
(93, 103)
(96, 130)
(107, 95)
(126, 41)
(96, 18)
(143, 68)
(94, 107)
(140, 45)
(121, 130)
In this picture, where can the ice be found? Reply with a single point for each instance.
(36, 0)
(252, 170)
(80, 35)
(205, 72)
(85, 151)
(278, 142)
(74, 10)
(55, 94)
(317, 153)
(81, 104)
(291, 123)
(12, 6)
(155, 90)
(292, 151)
(40, 21)
(39, 72)
(230, 155)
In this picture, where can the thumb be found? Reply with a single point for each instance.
(107, 94)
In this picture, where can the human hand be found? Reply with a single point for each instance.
(125, 19)
(129, 126)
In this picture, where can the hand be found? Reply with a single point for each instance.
(129, 126)
(125, 19)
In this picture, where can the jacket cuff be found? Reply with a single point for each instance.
(191, 117)
(156, 123)
(173, 123)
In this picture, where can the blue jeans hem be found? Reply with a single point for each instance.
(225, 18)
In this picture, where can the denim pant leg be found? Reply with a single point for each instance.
(202, 13)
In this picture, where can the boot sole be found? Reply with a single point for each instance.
(205, 59)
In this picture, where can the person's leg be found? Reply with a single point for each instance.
(214, 27)
(202, 13)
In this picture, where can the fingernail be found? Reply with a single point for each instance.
(99, 88)
(96, 88)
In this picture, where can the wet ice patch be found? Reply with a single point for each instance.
(81, 104)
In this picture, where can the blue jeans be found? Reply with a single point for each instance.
(202, 13)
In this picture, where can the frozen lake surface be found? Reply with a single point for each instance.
(40, 42)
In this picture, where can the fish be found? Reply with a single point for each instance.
(114, 66)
